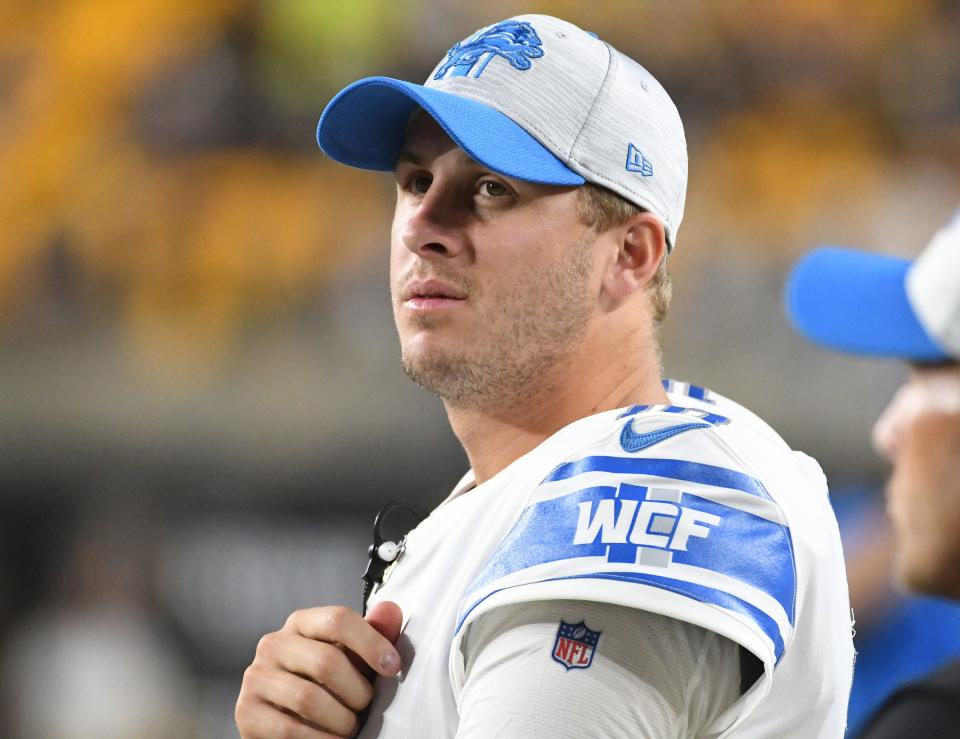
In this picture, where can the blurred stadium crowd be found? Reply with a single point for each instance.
(200, 400)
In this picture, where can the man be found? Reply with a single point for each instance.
(880, 305)
(626, 557)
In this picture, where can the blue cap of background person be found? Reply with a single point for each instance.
(880, 305)
(535, 98)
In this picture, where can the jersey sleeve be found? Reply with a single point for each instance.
(662, 516)
(648, 675)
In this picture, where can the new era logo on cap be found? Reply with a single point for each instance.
(637, 162)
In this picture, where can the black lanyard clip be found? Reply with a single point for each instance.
(382, 553)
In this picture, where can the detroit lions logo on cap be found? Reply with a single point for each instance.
(515, 41)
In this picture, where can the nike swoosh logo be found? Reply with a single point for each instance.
(631, 441)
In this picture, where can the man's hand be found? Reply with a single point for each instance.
(311, 678)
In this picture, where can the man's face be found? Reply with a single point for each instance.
(919, 433)
(493, 279)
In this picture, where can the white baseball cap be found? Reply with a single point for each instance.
(532, 97)
(875, 304)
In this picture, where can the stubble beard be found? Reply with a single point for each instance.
(518, 351)
(925, 489)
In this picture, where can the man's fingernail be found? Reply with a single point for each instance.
(390, 662)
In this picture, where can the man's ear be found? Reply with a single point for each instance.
(641, 243)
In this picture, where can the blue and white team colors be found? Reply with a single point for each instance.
(696, 511)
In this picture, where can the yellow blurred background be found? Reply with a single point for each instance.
(200, 399)
(158, 156)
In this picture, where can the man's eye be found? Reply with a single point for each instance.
(419, 183)
(493, 188)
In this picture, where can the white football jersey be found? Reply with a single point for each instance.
(697, 511)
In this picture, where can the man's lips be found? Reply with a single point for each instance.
(432, 293)
(432, 303)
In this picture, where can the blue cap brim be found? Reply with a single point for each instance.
(857, 302)
(365, 126)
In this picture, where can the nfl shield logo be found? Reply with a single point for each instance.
(575, 645)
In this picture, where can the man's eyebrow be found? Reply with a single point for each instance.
(408, 156)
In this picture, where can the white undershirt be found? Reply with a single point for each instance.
(651, 675)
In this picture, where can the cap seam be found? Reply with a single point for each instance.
(681, 192)
(596, 99)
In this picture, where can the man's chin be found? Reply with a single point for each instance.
(428, 366)
(427, 342)
(922, 573)
(452, 376)
(425, 350)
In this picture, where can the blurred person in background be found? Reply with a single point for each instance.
(884, 306)
(94, 661)
(627, 556)
(900, 636)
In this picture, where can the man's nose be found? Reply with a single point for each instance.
(434, 227)
(887, 428)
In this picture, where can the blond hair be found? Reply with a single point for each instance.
(601, 209)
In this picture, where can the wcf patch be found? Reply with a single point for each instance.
(575, 646)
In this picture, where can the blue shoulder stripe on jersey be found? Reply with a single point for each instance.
(634, 524)
(692, 391)
(674, 469)
(712, 418)
(695, 391)
(706, 594)
(633, 410)
(699, 592)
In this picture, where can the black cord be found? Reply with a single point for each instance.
(382, 553)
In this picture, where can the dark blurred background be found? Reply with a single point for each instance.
(201, 405)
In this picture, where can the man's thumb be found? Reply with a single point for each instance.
(387, 618)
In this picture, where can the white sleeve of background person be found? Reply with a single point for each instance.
(650, 675)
